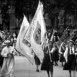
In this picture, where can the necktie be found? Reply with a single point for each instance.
(71, 50)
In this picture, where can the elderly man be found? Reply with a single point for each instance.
(8, 64)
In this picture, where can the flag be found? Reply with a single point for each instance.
(20, 46)
(38, 31)
(52, 36)
(27, 37)
(67, 35)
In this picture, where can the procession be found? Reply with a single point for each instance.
(32, 47)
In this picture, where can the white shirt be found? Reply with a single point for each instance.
(6, 50)
(60, 48)
(72, 50)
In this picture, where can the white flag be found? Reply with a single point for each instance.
(38, 33)
(27, 37)
(20, 46)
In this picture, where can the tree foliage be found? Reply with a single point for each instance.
(28, 7)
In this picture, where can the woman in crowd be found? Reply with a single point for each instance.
(47, 63)
(70, 59)
(55, 54)
(61, 51)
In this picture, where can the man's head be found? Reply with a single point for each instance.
(7, 42)
(71, 43)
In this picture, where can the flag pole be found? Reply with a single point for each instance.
(49, 53)
(49, 50)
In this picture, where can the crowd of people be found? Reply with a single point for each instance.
(65, 52)
(7, 52)
(63, 49)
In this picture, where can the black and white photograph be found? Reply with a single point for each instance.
(38, 38)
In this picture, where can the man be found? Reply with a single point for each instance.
(8, 63)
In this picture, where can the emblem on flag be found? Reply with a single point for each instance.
(22, 44)
(26, 43)
(37, 34)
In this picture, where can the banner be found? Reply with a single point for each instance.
(27, 36)
(20, 46)
(38, 32)
(67, 35)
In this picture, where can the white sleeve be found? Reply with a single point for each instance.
(73, 49)
(52, 49)
(4, 52)
(52, 37)
(60, 49)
